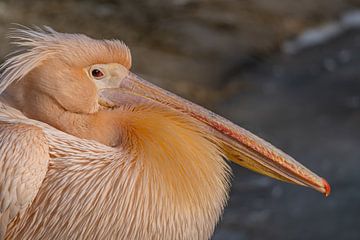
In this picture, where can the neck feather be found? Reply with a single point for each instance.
(35, 104)
(167, 180)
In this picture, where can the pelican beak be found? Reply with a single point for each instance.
(238, 144)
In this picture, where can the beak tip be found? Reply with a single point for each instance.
(326, 187)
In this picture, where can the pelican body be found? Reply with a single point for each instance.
(89, 150)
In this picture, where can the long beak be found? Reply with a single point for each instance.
(238, 144)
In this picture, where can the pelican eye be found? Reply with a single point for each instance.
(97, 73)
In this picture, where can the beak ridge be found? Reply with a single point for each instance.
(238, 144)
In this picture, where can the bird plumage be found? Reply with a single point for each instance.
(146, 188)
(142, 164)
(93, 191)
(24, 157)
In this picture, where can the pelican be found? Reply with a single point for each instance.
(89, 150)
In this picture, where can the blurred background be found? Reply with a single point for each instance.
(288, 71)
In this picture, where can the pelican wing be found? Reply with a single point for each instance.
(24, 157)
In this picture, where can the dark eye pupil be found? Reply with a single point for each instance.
(96, 73)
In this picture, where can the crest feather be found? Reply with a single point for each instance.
(35, 45)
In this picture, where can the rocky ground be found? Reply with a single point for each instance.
(226, 55)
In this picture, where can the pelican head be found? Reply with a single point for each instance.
(172, 179)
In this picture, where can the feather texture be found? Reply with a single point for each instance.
(24, 157)
(150, 188)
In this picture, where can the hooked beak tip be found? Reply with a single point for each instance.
(326, 187)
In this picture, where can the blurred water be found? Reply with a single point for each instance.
(312, 111)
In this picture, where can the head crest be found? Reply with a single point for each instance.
(35, 45)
